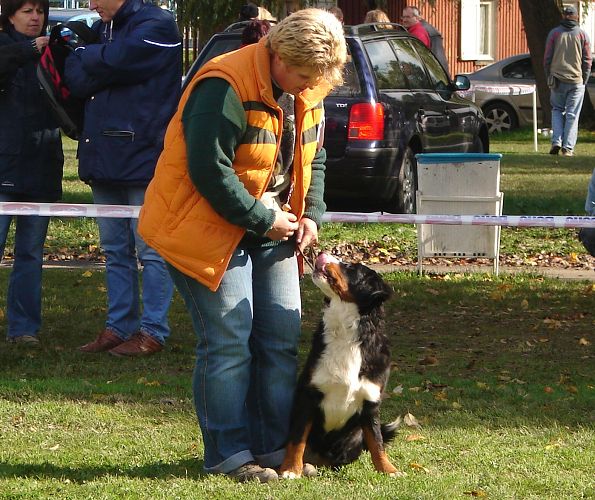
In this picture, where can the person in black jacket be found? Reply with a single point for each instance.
(31, 158)
(436, 44)
(131, 82)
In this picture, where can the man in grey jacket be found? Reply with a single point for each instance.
(567, 62)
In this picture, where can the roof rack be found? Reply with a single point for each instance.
(360, 29)
(242, 24)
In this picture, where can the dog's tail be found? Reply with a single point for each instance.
(390, 430)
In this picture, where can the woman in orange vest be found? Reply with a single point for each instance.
(237, 190)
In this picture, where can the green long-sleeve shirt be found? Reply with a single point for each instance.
(214, 122)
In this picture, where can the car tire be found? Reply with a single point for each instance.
(500, 117)
(405, 197)
(477, 146)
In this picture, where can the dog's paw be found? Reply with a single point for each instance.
(397, 473)
(289, 474)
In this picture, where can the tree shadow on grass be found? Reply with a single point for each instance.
(183, 469)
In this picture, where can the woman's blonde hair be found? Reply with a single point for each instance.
(312, 38)
(376, 16)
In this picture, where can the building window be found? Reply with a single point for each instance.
(478, 30)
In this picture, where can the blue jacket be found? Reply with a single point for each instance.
(131, 83)
(31, 158)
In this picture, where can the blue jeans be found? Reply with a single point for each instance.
(119, 238)
(566, 100)
(24, 288)
(246, 356)
(590, 202)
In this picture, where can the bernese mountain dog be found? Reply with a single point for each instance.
(335, 413)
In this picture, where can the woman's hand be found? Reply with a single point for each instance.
(284, 227)
(307, 234)
(41, 42)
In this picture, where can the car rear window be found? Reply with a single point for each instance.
(351, 86)
(521, 69)
(221, 47)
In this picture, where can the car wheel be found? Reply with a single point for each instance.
(477, 146)
(407, 183)
(500, 117)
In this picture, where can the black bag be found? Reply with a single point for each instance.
(69, 110)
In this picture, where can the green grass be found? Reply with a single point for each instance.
(540, 183)
(506, 405)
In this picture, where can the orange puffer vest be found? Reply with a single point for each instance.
(175, 219)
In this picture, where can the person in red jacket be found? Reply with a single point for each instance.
(411, 20)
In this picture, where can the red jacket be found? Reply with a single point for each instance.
(418, 31)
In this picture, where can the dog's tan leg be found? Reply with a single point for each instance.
(379, 457)
(293, 464)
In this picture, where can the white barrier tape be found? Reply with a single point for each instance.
(132, 211)
(499, 89)
(465, 220)
(69, 210)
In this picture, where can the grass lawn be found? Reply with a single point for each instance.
(533, 184)
(497, 371)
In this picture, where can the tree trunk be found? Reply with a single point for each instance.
(539, 17)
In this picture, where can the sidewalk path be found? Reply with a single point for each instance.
(551, 272)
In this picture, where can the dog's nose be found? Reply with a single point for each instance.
(323, 259)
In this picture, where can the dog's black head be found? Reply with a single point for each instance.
(350, 282)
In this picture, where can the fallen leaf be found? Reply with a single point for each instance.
(441, 396)
(54, 448)
(414, 437)
(476, 493)
(429, 360)
(547, 389)
(398, 390)
(456, 405)
(482, 385)
(524, 304)
(416, 466)
(583, 341)
(411, 421)
(87, 274)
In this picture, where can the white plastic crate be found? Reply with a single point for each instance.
(458, 184)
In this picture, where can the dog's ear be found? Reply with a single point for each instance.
(384, 292)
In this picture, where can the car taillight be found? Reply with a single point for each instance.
(366, 122)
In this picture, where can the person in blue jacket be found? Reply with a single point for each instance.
(31, 158)
(131, 82)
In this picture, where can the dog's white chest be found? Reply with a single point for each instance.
(337, 373)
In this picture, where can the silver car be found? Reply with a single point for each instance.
(505, 112)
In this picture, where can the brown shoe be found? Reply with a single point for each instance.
(105, 341)
(140, 344)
